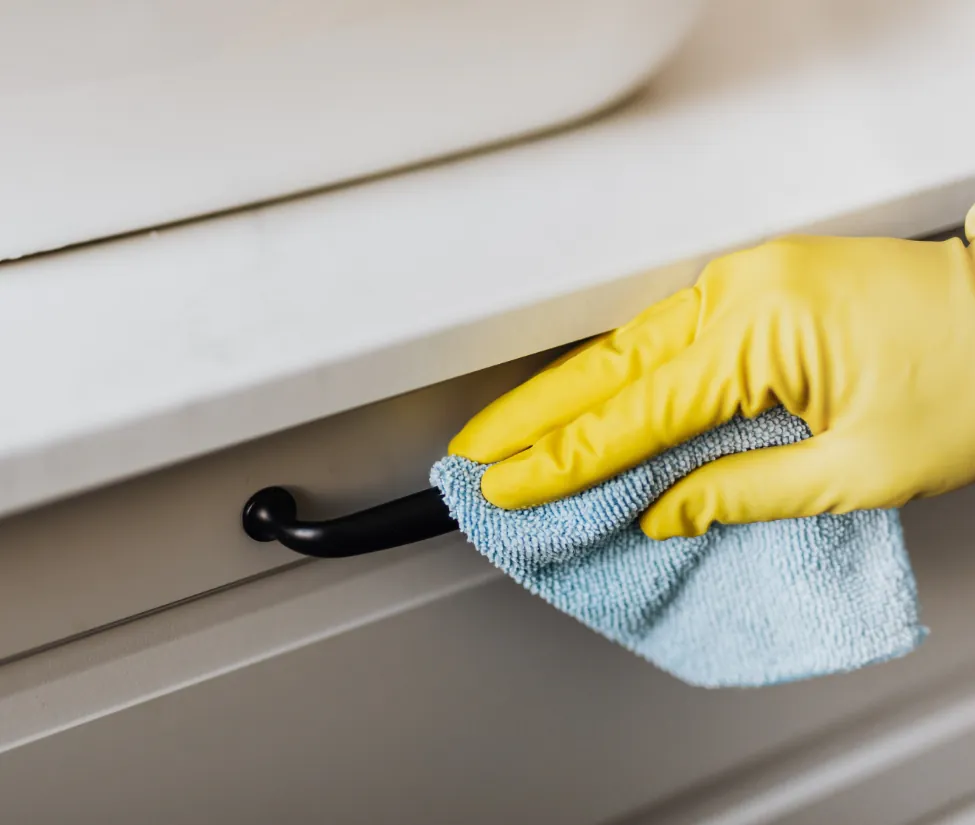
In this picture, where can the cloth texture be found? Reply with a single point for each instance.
(741, 606)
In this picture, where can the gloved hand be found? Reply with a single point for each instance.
(870, 340)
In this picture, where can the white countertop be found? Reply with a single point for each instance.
(824, 115)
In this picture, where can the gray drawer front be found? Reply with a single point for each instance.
(488, 707)
(121, 551)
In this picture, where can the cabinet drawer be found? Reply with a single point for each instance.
(485, 706)
(99, 558)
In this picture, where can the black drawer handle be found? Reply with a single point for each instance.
(271, 514)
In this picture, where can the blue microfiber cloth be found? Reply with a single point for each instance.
(743, 605)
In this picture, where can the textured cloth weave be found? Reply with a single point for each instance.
(743, 605)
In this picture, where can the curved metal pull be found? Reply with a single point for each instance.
(271, 514)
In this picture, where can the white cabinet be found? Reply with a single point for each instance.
(417, 685)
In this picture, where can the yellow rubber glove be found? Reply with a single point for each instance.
(870, 340)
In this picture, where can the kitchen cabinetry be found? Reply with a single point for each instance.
(416, 685)
(157, 666)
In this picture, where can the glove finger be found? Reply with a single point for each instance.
(697, 390)
(578, 349)
(791, 481)
(587, 378)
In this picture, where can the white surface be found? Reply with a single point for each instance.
(125, 356)
(120, 115)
